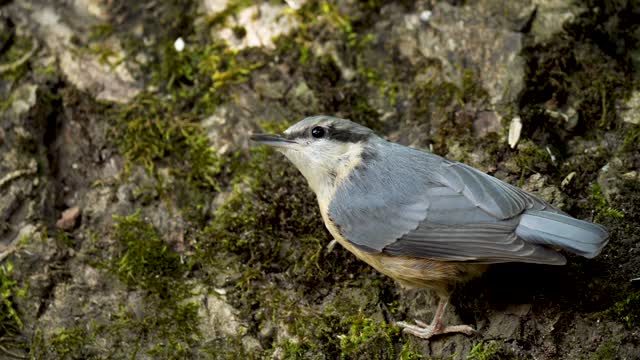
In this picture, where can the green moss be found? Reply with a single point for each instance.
(492, 350)
(10, 323)
(373, 77)
(532, 159)
(64, 240)
(319, 332)
(293, 350)
(339, 21)
(470, 88)
(100, 31)
(233, 7)
(628, 310)
(229, 347)
(433, 98)
(162, 131)
(388, 89)
(50, 71)
(409, 352)
(602, 208)
(168, 328)
(148, 133)
(105, 54)
(201, 71)
(11, 58)
(632, 139)
(155, 131)
(434, 104)
(152, 133)
(5, 104)
(69, 343)
(180, 329)
(586, 164)
(144, 260)
(165, 330)
(336, 332)
(608, 350)
(369, 339)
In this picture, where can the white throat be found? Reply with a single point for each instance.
(325, 167)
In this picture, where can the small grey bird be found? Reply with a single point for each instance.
(421, 219)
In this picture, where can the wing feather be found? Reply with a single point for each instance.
(492, 195)
(437, 209)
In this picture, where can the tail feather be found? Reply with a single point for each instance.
(558, 230)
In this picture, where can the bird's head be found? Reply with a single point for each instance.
(325, 149)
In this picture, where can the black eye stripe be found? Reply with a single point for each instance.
(348, 136)
(331, 132)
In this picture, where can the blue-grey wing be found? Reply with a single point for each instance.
(455, 213)
(492, 195)
(455, 229)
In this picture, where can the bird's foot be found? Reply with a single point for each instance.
(426, 331)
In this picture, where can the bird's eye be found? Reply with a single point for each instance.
(317, 132)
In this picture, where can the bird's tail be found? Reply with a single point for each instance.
(557, 230)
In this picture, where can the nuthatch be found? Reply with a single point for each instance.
(421, 219)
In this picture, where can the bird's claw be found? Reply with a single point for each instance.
(424, 331)
(421, 323)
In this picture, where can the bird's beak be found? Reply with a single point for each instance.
(272, 140)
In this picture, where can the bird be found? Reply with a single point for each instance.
(421, 219)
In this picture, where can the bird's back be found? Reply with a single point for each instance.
(417, 204)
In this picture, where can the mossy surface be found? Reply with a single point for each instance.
(491, 350)
(67, 344)
(10, 323)
(251, 226)
(144, 261)
(368, 339)
(11, 59)
(607, 350)
(627, 310)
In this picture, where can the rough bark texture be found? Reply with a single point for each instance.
(137, 223)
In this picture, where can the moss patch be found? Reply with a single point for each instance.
(145, 261)
(169, 326)
(162, 132)
(233, 7)
(369, 339)
(153, 133)
(602, 208)
(491, 350)
(13, 59)
(68, 343)
(10, 323)
(628, 310)
(607, 350)
(532, 159)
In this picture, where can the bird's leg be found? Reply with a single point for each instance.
(436, 327)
